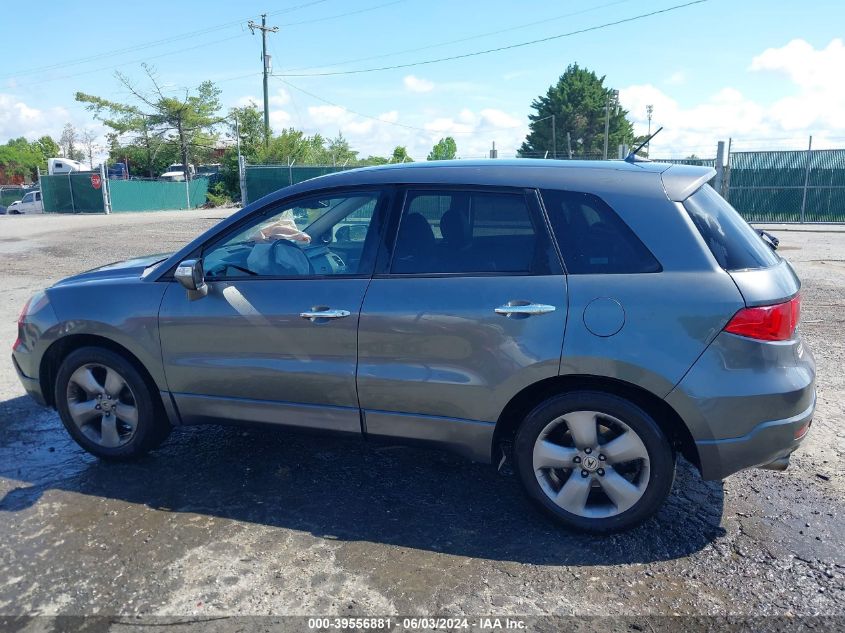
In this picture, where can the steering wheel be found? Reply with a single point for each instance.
(290, 258)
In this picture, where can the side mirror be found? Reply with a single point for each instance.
(190, 274)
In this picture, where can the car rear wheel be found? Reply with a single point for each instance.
(107, 406)
(595, 462)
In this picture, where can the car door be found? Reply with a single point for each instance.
(274, 339)
(27, 202)
(470, 309)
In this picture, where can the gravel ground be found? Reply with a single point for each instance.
(227, 521)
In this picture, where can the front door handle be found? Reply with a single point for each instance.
(522, 308)
(324, 313)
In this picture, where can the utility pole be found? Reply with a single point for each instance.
(265, 58)
(612, 100)
(554, 135)
(649, 111)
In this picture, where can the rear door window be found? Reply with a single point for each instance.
(592, 238)
(734, 244)
(462, 231)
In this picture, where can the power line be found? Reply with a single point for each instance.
(149, 44)
(498, 48)
(129, 63)
(462, 39)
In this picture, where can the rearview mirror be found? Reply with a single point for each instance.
(190, 274)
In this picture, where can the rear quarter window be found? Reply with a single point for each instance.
(592, 238)
(734, 244)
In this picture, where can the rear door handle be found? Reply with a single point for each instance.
(524, 309)
(324, 313)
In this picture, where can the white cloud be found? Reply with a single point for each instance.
(19, 119)
(804, 65)
(416, 84)
(247, 100)
(676, 78)
(327, 114)
(814, 106)
(474, 132)
(281, 97)
(279, 119)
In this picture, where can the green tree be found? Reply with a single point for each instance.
(339, 153)
(48, 148)
(400, 155)
(373, 160)
(187, 122)
(578, 102)
(249, 121)
(444, 149)
(20, 159)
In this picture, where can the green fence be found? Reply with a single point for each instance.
(155, 195)
(788, 186)
(264, 179)
(701, 162)
(13, 193)
(72, 193)
(75, 193)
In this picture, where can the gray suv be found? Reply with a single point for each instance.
(589, 321)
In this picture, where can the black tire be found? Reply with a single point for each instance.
(152, 426)
(661, 459)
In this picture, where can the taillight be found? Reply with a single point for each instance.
(22, 316)
(767, 323)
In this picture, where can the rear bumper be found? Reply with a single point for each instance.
(769, 444)
(746, 403)
(31, 385)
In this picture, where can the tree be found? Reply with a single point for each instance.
(444, 149)
(249, 122)
(88, 137)
(20, 159)
(400, 155)
(339, 152)
(188, 122)
(47, 147)
(68, 140)
(578, 102)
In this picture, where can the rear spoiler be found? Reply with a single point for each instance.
(681, 181)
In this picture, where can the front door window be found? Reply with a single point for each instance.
(315, 236)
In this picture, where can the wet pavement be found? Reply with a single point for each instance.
(225, 520)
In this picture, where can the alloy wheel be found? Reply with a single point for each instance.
(591, 464)
(102, 405)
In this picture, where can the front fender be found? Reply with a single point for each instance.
(122, 311)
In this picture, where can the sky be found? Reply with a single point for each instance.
(764, 73)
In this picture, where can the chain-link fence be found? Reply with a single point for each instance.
(153, 195)
(787, 186)
(76, 192)
(764, 186)
(89, 192)
(261, 180)
(13, 193)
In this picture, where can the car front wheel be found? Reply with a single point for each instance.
(107, 406)
(595, 462)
